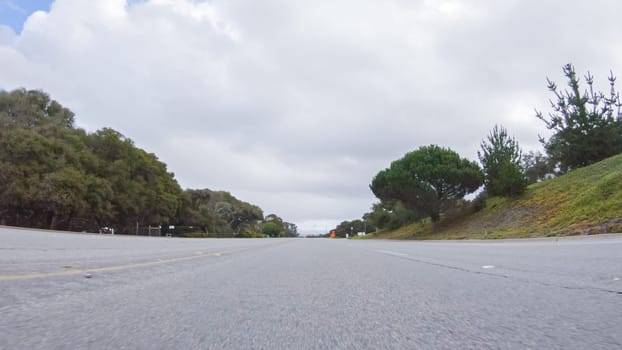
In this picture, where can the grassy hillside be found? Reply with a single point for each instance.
(584, 201)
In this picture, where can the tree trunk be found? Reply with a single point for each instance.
(436, 218)
(54, 222)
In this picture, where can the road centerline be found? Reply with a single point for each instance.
(196, 255)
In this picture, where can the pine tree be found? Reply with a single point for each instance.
(587, 125)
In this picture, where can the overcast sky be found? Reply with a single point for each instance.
(296, 105)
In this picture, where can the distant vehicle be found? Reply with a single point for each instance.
(106, 230)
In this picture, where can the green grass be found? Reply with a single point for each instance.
(584, 201)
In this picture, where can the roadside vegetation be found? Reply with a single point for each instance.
(583, 201)
(574, 188)
(54, 175)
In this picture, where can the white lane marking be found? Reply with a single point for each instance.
(391, 253)
(488, 267)
(616, 278)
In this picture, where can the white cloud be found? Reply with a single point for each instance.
(295, 106)
(7, 36)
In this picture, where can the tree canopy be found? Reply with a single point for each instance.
(274, 226)
(219, 212)
(353, 227)
(500, 157)
(53, 175)
(59, 177)
(389, 215)
(587, 124)
(428, 180)
(32, 108)
(537, 166)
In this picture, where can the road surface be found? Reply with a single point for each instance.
(80, 291)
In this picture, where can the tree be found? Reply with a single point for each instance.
(379, 216)
(218, 212)
(291, 229)
(246, 217)
(53, 175)
(428, 180)
(500, 157)
(510, 181)
(272, 229)
(144, 191)
(587, 125)
(350, 228)
(44, 184)
(274, 226)
(32, 108)
(537, 166)
(62, 195)
(390, 215)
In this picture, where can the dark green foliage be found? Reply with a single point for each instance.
(501, 156)
(479, 203)
(587, 125)
(399, 216)
(428, 180)
(537, 167)
(390, 215)
(291, 230)
(272, 229)
(31, 108)
(352, 228)
(510, 181)
(53, 175)
(46, 181)
(379, 216)
(251, 234)
(219, 212)
(274, 226)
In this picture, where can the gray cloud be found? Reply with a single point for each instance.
(295, 106)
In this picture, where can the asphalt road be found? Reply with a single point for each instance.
(77, 291)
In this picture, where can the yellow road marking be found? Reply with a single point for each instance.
(102, 269)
